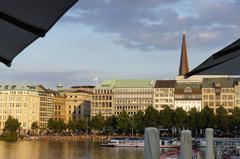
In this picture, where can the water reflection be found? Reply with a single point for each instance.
(64, 150)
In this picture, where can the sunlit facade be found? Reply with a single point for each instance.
(21, 102)
(164, 94)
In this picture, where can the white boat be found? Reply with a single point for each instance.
(139, 142)
(200, 142)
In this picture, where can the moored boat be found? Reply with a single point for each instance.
(175, 154)
(139, 142)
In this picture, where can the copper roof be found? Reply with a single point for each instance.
(183, 69)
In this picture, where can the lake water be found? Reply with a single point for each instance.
(65, 150)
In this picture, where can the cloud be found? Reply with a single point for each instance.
(68, 78)
(49, 78)
(157, 25)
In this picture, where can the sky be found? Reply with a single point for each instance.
(125, 39)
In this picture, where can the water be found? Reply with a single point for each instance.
(65, 150)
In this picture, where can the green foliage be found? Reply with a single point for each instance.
(80, 124)
(235, 119)
(123, 121)
(51, 125)
(138, 121)
(166, 117)
(222, 121)
(12, 124)
(71, 125)
(61, 125)
(9, 136)
(34, 125)
(111, 123)
(180, 118)
(206, 118)
(192, 120)
(151, 117)
(97, 122)
(56, 126)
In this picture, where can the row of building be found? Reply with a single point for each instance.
(31, 103)
(113, 96)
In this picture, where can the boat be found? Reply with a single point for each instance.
(139, 142)
(124, 142)
(200, 142)
(175, 154)
(219, 142)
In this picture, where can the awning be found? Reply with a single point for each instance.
(22, 22)
(224, 62)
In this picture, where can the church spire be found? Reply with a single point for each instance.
(183, 69)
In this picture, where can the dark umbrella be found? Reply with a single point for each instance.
(23, 21)
(224, 62)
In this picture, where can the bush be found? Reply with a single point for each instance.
(9, 136)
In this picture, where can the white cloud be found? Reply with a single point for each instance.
(157, 25)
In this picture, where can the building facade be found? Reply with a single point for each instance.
(132, 95)
(237, 93)
(46, 106)
(111, 97)
(164, 94)
(21, 102)
(102, 99)
(59, 106)
(188, 96)
(76, 102)
(219, 92)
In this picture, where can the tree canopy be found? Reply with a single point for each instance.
(12, 124)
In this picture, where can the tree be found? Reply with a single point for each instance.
(123, 121)
(180, 118)
(56, 125)
(138, 121)
(12, 124)
(80, 124)
(206, 118)
(192, 120)
(34, 126)
(52, 125)
(222, 121)
(97, 122)
(166, 117)
(71, 125)
(111, 123)
(235, 119)
(151, 117)
(60, 125)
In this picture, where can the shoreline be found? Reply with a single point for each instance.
(95, 138)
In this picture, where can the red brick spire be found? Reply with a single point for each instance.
(183, 69)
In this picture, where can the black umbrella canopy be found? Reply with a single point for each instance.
(224, 62)
(22, 22)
